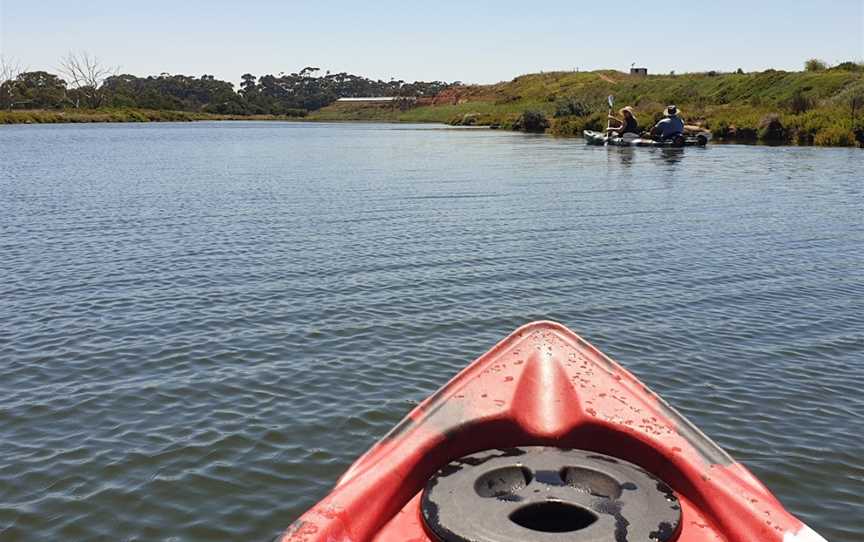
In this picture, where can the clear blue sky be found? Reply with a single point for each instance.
(472, 41)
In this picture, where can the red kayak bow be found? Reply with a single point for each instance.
(544, 438)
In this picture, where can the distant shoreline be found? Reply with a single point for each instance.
(84, 116)
(821, 106)
(132, 116)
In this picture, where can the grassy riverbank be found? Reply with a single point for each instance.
(48, 116)
(823, 107)
(770, 106)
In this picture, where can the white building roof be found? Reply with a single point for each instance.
(369, 99)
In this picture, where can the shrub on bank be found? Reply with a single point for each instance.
(531, 121)
(574, 126)
(473, 119)
(470, 119)
(571, 107)
(835, 136)
(799, 102)
(741, 123)
(771, 129)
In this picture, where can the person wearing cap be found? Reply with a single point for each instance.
(627, 122)
(670, 126)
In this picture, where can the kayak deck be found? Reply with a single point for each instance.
(545, 386)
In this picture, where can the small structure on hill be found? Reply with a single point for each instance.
(639, 71)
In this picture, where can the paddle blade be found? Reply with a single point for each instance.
(611, 100)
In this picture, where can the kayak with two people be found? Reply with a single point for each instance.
(669, 127)
(670, 131)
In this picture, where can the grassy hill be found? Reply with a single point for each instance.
(819, 107)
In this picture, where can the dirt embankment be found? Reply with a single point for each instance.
(461, 95)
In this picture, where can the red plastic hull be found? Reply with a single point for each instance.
(544, 385)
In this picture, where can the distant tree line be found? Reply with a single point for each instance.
(84, 82)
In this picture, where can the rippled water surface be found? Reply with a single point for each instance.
(202, 325)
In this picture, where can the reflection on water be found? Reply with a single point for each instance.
(673, 156)
(202, 325)
(628, 156)
(624, 154)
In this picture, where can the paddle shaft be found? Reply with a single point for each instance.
(610, 100)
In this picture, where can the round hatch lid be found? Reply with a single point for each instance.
(548, 494)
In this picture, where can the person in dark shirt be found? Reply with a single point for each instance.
(626, 124)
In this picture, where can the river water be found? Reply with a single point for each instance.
(202, 325)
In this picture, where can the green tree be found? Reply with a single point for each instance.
(38, 90)
(815, 65)
(247, 85)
